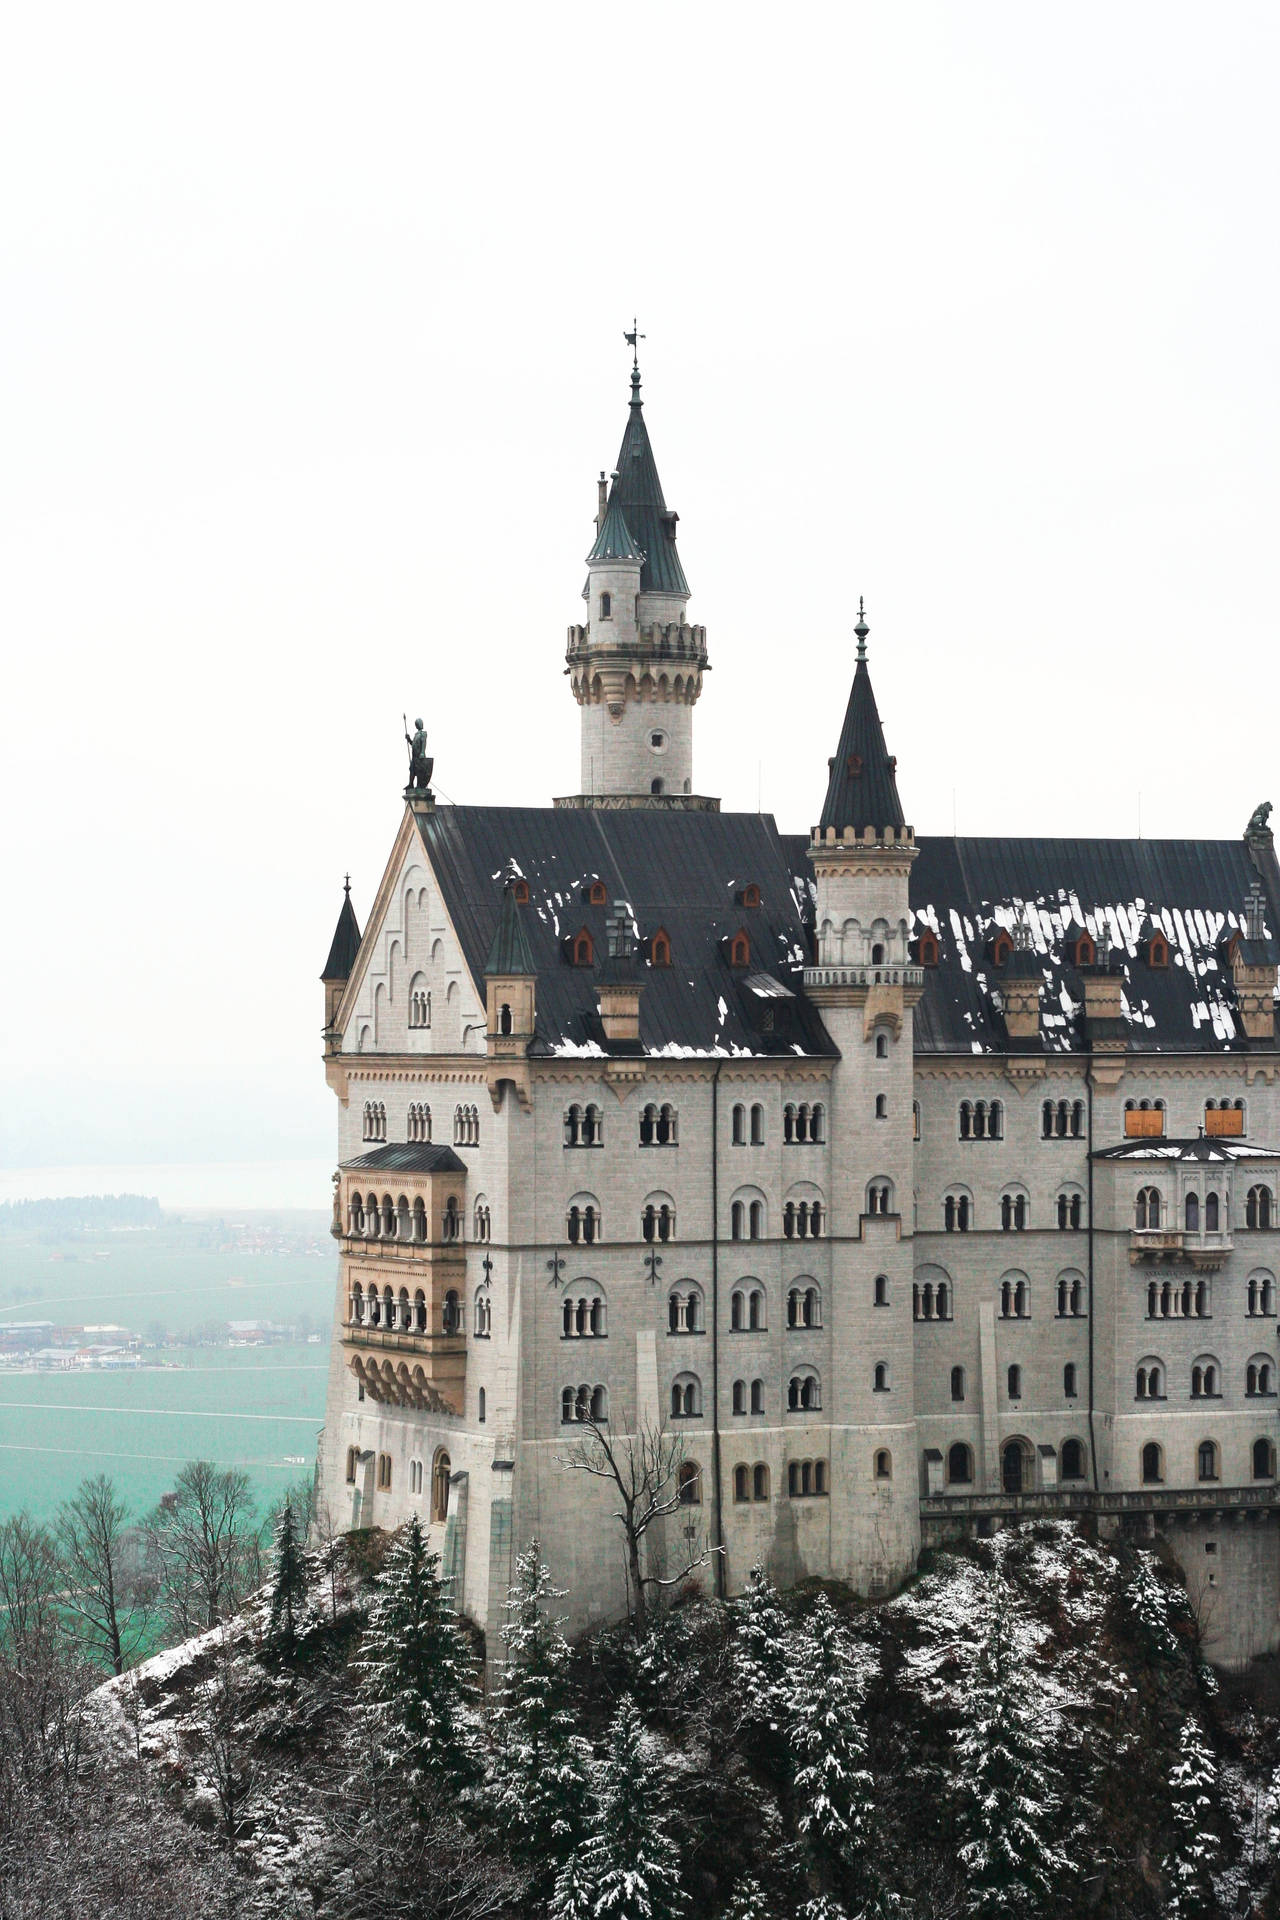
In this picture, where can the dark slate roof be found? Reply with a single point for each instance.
(637, 491)
(1217, 1152)
(345, 944)
(614, 540)
(677, 870)
(407, 1159)
(862, 790)
(509, 953)
(1193, 890)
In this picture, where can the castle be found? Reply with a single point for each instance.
(908, 1187)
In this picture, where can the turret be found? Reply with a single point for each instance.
(511, 1003)
(636, 665)
(343, 949)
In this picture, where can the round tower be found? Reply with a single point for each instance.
(636, 665)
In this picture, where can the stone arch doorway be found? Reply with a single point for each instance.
(1017, 1466)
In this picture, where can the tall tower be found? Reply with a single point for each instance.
(861, 853)
(636, 666)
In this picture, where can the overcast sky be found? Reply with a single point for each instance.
(310, 352)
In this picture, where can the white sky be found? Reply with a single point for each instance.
(310, 352)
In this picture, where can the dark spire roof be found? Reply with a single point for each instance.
(509, 950)
(614, 540)
(637, 491)
(862, 791)
(346, 941)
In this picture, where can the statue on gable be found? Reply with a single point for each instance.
(420, 762)
(1257, 828)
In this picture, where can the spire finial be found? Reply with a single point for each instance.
(862, 629)
(632, 338)
(346, 883)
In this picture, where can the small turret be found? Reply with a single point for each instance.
(343, 949)
(510, 986)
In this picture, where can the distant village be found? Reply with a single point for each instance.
(42, 1346)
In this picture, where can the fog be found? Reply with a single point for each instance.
(312, 349)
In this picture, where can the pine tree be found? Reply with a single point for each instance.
(1004, 1783)
(538, 1779)
(289, 1589)
(629, 1866)
(414, 1670)
(762, 1670)
(834, 1790)
(749, 1902)
(1193, 1788)
(574, 1895)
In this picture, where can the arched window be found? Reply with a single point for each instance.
(684, 1308)
(660, 949)
(1211, 1212)
(384, 1472)
(606, 606)
(480, 1221)
(686, 1397)
(583, 1223)
(582, 950)
(1264, 1460)
(882, 1046)
(757, 1125)
(741, 1478)
(1205, 1376)
(757, 1396)
(1147, 1210)
(882, 1466)
(1070, 1385)
(880, 1196)
(1149, 1380)
(740, 950)
(440, 1471)
(957, 1212)
(1257, 1209)
(760, 1481)
(1071, 1460)
(451, 1220)
(740, 1398)
(689, 1484)
(927, 950)
(1259, 1377)
(483, 1312)
(746, 1216)
(353, 1464)
(1207, 1460)
(880, 1377)
(739, 1126)
(1015, 1383)
(419, 1003)
(882, 1107)
(881, 1290)
(1152, 1464)
(480, 1406)
(600, 1405)
(658, 1218)
(804, 1391)
(504, 1019)
(1191, 1211)
(1001, 948)
(957, 1383)
(959, 1465)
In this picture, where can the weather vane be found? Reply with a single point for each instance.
(632, 339)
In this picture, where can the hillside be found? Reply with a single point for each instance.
(1027, 1728)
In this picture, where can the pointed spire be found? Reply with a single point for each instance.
(509, 953)
(346, 940)
(862, 790)
(637, 491)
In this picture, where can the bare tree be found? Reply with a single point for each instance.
(331, 1552)
(43, 1678)
(100, 1571)
(206, 1550)
(227, 1745)
(644, 1468)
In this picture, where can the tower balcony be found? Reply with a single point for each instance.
(652, 644)
(407, 1351)
(1176, 1247)
(880, 975)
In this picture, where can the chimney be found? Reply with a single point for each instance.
(1253, 970)
(1020, 985)
(602, 500)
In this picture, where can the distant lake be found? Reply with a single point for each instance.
(249, 1408)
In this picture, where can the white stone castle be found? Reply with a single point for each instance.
(917, 1185)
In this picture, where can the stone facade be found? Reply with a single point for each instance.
(956, 1318)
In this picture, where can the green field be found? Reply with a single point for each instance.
(258, 1407)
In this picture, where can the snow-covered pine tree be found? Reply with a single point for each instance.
(574, 1895)
(289, 1584)
(749, 1902)
(414, 1672)
(834, 1792)
(1007, 1806)
(761, 1667)
(1193, 1792)
(538, 1786)
(629, 1866)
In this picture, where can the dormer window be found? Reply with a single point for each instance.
(740, 950)
(520, 892)
(582, 950)
(655, 786)
(1157, 951)
(598, 894)
(1086, 954)
(1001, 948)
(927, 950)
(606, 606)
(660, 949)
(749, 896)
(853, 765)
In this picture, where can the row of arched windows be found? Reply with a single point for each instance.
(419, 1123)
(398, 1313)
(1151, 1378)
(981, 1120)
(1017, 1465)
(1208, 1460)
(1013, 1382)
(1178, 1300)
(369, 1218)
(750, 1483)
(746, 1125)
(1151, 1212)
(804, 1125)
(583, 1316)
(931, 1300)
(803, 1220)
(420, 1007)
(1062, 1120)
(466, 1127)
(658, 1221)
(748, 1399)
(375, 1120)
(805, 1477)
